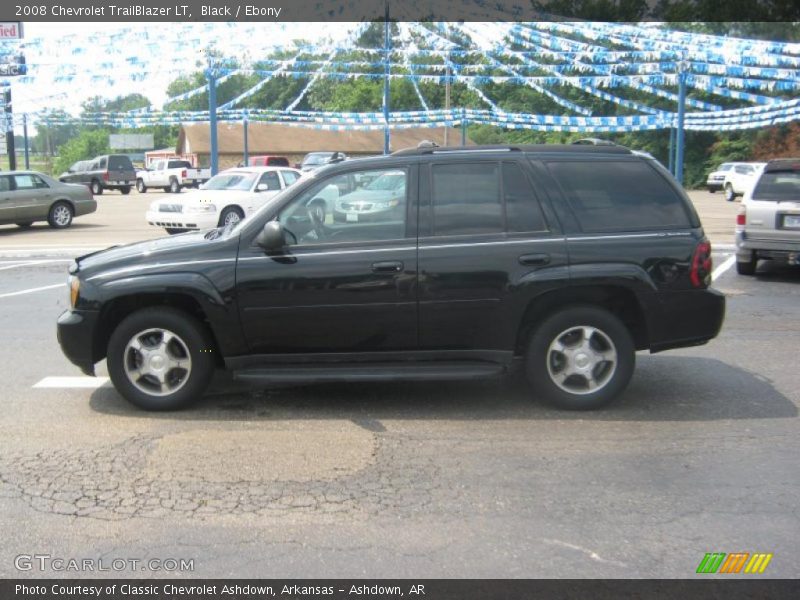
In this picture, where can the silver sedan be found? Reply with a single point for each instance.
(29, 196)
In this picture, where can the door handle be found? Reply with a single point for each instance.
(534, 259)
(389, 266)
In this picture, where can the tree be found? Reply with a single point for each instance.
(87, 144)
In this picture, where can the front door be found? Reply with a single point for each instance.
(8, 207)
(346, 280)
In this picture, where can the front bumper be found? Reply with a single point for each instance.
(175, 220)
(76, 334)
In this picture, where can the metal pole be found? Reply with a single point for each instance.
(25, 135)
(387, 49)
(212, 116)
(672, 150)
(680, 138)
(447, 98)
(12, 155)
(463, 126)
(246, 153)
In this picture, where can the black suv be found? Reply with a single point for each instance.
(562, 259)
(107, 172)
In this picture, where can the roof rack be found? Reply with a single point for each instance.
(431, 148)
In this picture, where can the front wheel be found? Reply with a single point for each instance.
(126, 189)
(580, 358)
(730, 195)
(60, 215)
(160, 358)
(140, 186)
(231, 214)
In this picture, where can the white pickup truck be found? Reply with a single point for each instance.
(171, 175)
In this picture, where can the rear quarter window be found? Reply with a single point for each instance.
(611, 196)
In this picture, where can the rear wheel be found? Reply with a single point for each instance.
(174, 186)
(231, 214)
(747, 267)
(126, 189)
(580, 358)
(729, 193)
(96, 187)
(60, 215)
(160, 358)
(140, 186)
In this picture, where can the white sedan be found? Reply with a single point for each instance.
(226, 198)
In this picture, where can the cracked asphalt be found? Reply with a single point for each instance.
(411, 480)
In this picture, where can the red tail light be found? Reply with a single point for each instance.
(105, 176)
(183, 174)
(741, 218)
(700, 273)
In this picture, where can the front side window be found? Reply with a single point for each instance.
(619, 196)
(271, 180)
(352, 207)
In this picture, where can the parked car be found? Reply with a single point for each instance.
(381, 199)
(30, 196)
(268, 161)
(171, 175)
(224, 199)
(78, 167)
(315, 160)
(716, 179)
(741, 178)
(107, 172)
(562, 260)
(768, 223)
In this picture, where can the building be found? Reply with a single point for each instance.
(295, 142)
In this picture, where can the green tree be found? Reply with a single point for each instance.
(87, 144)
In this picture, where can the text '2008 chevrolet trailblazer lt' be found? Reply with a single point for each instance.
(564, 260)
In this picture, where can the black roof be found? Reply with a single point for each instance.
(783, 164)
(533, 148)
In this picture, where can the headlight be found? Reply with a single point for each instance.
(74, 286)
(201, 208)
(154, 206)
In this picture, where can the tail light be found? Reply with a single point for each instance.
(183, 174)
(741, 217)
(700, 274)
(105, 176)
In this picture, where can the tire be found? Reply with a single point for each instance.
(231, 214)
(126, 189)
(175, 375)
(60, 215)
(747, 267)
(712, 190)
(141, 187)
(25, 225)
(96, 187)
(166, 189)
(608, 358)
(730, 195)
(174, 186)
(174, 231)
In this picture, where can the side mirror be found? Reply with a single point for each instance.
(271, 237)
(262, 187)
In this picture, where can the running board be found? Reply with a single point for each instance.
(405, 371)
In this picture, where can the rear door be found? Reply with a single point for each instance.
(486, 248)
(32, 196)
(773, 209)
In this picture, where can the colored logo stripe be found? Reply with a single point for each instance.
(711, 562)
(734, 562)
(714, 562)
(758, 563)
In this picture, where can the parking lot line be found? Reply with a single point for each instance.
(720, 270)
(33, 263)
(71, 382)
(32, 290)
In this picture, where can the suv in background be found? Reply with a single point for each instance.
(78, 167)
(741, 179)
(562, 260)
(716, 179)
(768, 223)
(107, 172)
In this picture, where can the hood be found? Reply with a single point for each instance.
(214, 196)
(159, 250)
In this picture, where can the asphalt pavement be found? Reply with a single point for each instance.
(404, 480)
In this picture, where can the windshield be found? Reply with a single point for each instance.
(387, 181)
(318, 158)
(778, 186)
(725, 167)
(236, 180)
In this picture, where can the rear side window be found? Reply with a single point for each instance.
(619, 196)
(523, 212)
(277, 161)
(119, 163)
(466, 199)
(778, 185)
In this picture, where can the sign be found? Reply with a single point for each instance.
(11, 30)
(13, 69)
(131, 141)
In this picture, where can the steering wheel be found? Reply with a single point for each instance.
(316, 223)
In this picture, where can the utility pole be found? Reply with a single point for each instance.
(447, 98)
(387, 42)
(211, 75)
(244, 131)
(679, 141)
(12, 156)
(25, 135)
